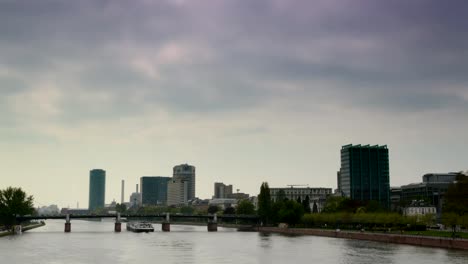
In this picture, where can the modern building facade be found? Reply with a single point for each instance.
(97, 189)
(431, 190)
(364, 173)
(222, 190)
(185, 173)
(316, 195)
(178, 192)
(154, 190)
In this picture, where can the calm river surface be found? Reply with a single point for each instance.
(95, 242)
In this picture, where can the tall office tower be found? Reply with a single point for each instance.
(177, 192)
(364, 173)
(154, 189)
(222, 190)
(122, 192)
(97, 189)
(186, 173)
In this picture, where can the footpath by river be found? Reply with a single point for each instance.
(439, 242)
(24, 228)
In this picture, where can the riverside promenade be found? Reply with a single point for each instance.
(23, 229)
(439, 242)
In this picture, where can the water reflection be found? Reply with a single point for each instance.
(265, 240)
(361, 251)
(95, 242)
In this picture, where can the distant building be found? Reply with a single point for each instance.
(135, 198)
(48, 210)
(223, 203)
(154, 190)
(77, 211)
(238, 196)
(221, 190)
(97, 189)
(316, 195)
(419, 208)
(185, 173)
(431, 190)
(395, 198)
(364, 173)
(178, 192)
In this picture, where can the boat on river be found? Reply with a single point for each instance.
(139, 227)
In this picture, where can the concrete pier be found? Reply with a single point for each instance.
(67, 224)
(67, 227)
(118, 227)
(18, 229)
(166, 226)
(118, 224)
(212, 226)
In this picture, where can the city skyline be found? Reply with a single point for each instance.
(245, 91)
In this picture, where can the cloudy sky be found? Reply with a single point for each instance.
(247, 91)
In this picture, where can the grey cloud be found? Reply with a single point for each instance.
(405, 45)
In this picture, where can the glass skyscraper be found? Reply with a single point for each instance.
(154, 189)
(97, 189)
(364, 173)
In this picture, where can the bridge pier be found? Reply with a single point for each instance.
(67, 224)
(166, 225)
(118, 224)
(213, 224)
(18, 229)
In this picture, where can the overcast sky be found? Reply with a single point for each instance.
(246, 91)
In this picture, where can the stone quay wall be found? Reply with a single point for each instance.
(439, 242)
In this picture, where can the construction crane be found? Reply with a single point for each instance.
(292, 185)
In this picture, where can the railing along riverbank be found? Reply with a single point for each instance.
(440, 242)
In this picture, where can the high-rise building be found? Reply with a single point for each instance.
(154, 189)
(186, 173)
(364, 173)
(97, 188)
(222, 190)
(177, 192)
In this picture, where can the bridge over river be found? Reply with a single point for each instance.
(212, 220)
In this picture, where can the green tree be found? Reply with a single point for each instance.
(291, 212)
(14, 202)
(315, 208)
(229, 210)
(245, 207)
(333, 204)
(212, 209)
(306, 204)
(298, 200)
(264, 203)
(456, 197)
(121, 208)
(187, 210)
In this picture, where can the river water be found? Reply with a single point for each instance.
(95, 242)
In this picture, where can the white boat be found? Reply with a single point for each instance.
(140, 227)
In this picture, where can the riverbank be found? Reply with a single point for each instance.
(439, 242)
(23, 228)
